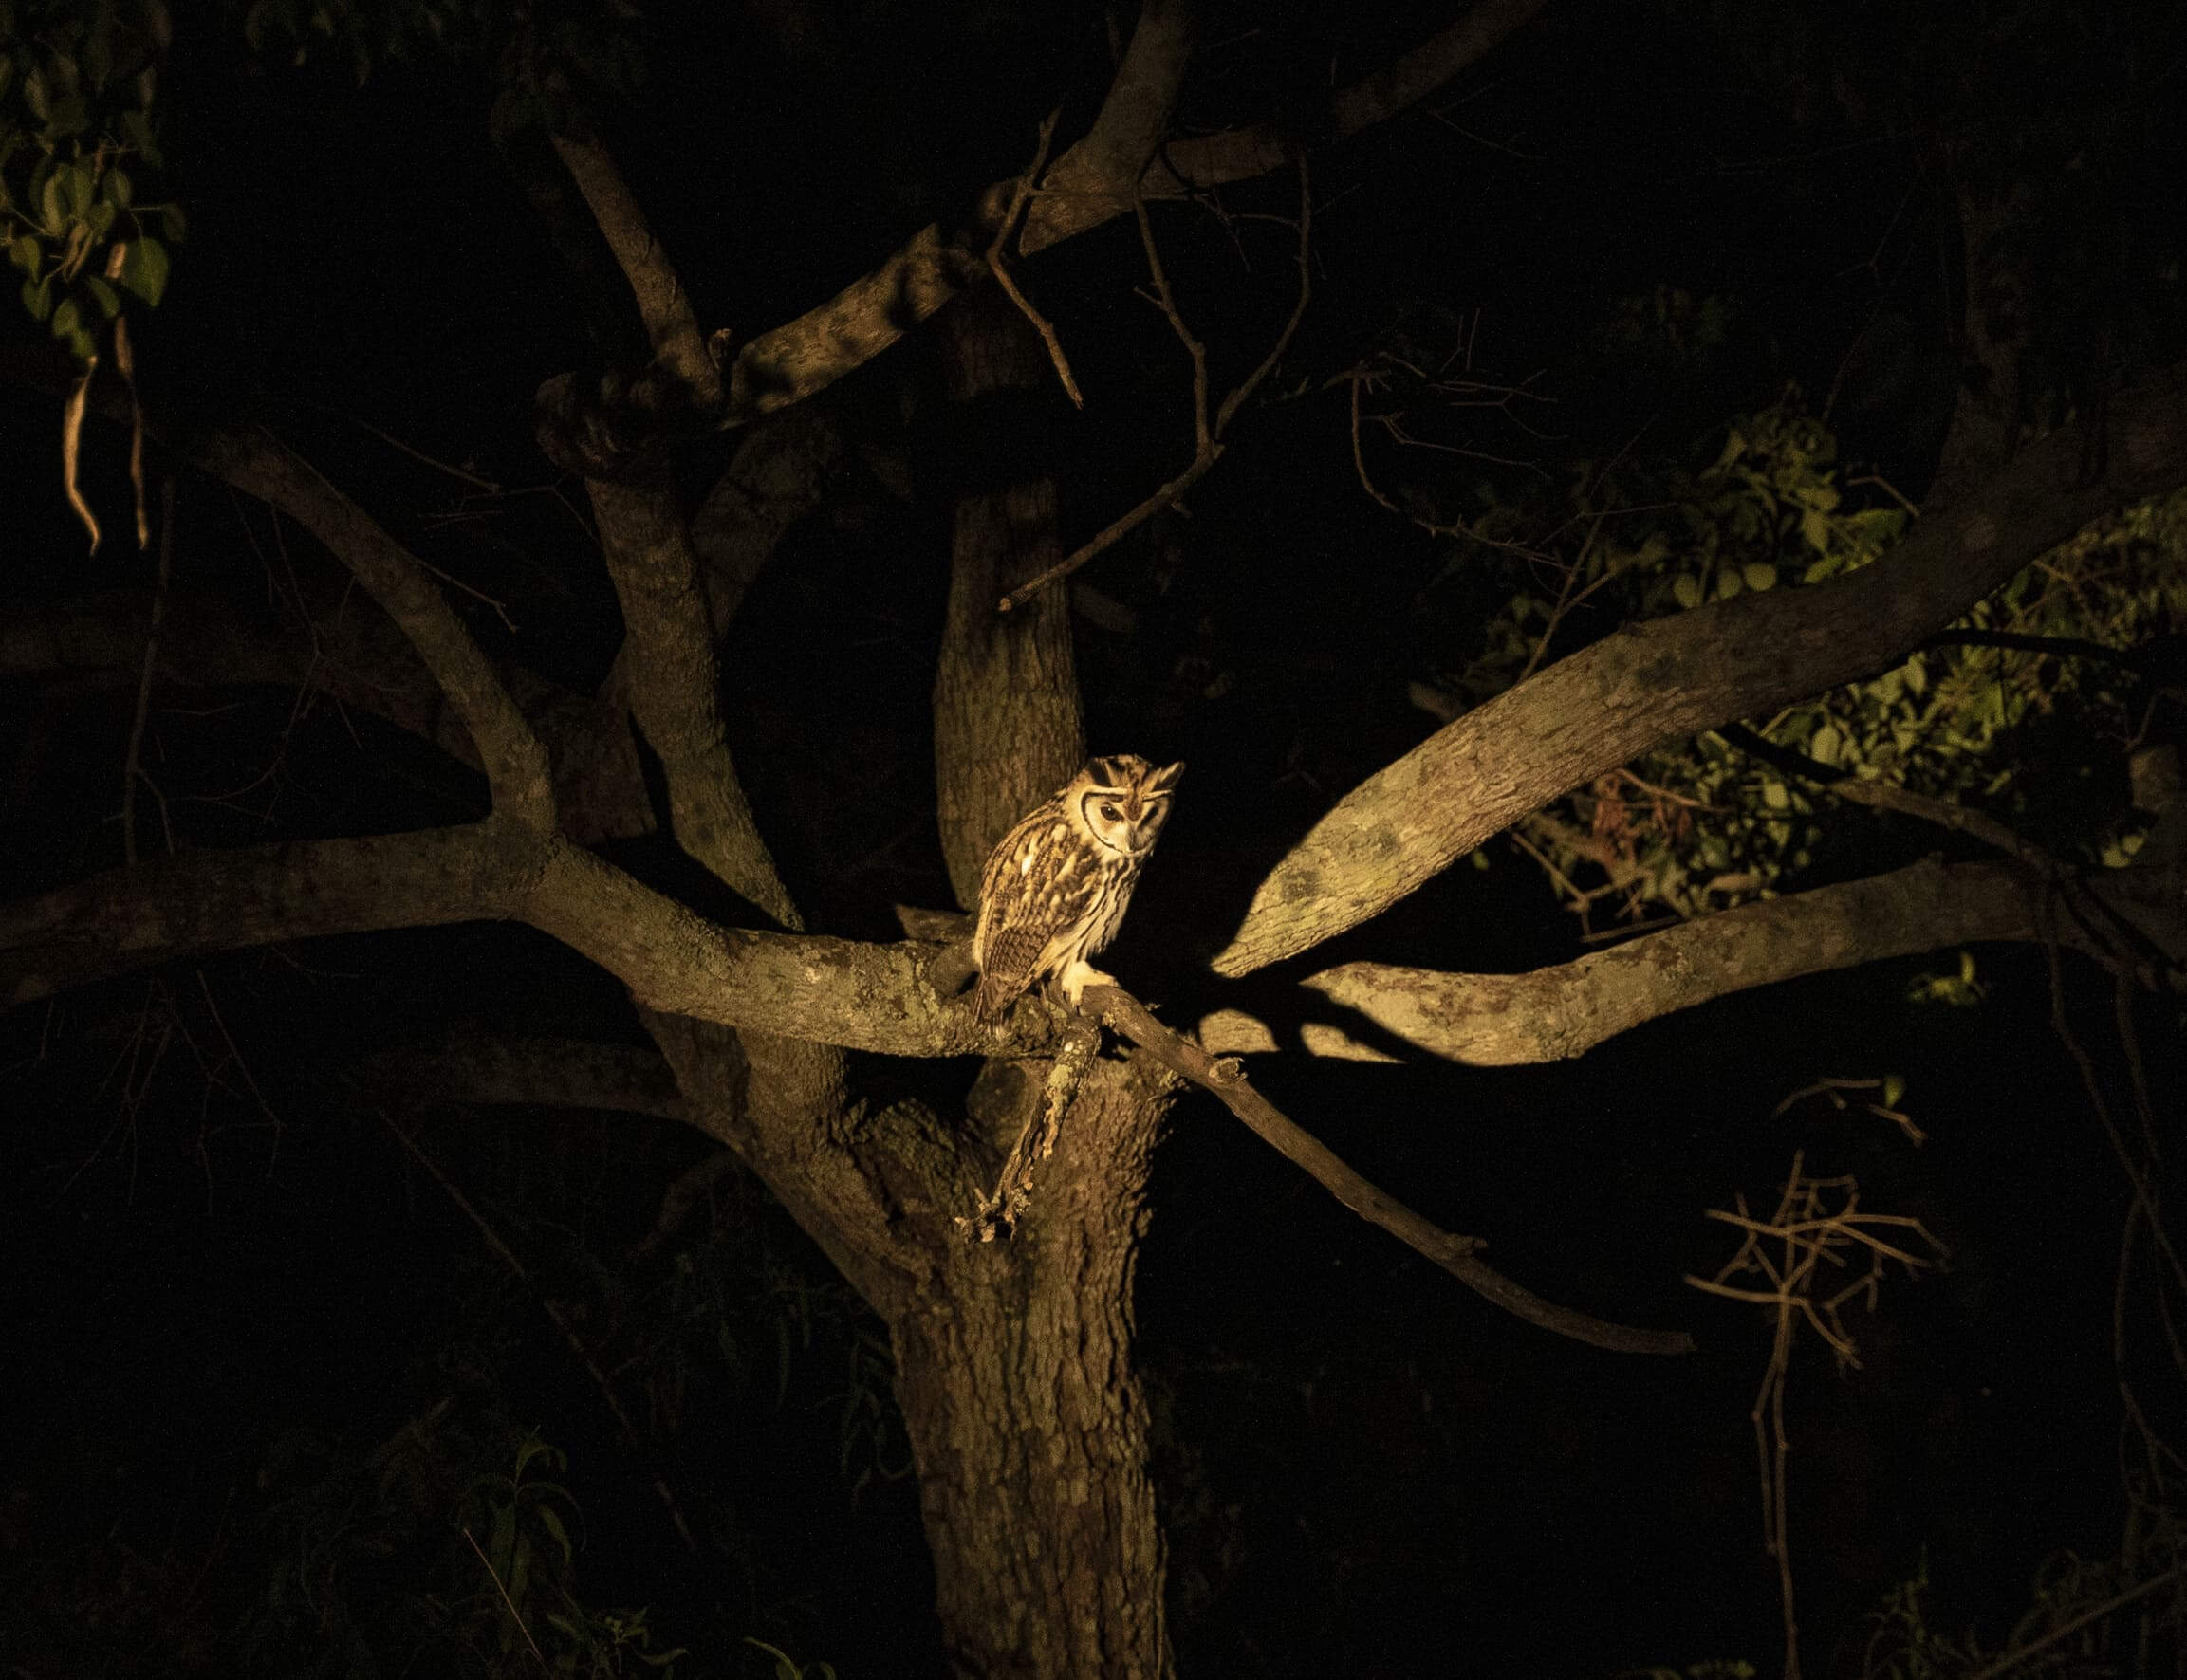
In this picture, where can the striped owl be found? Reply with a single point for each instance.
(1055, 890)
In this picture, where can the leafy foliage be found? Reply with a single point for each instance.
(79, 85)
(2035, 738)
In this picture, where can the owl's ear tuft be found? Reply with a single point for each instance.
(1168, 777)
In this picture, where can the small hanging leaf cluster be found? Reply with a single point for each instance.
(79, 87)
(2036, 739)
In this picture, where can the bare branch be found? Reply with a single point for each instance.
(1208, 434)
(673, 684)
(1108, 166)
(806, 354)
(515, 763)
(829, 992)
(1512, 1020)
(1590, 712)
(663, 305)
(195, 902)
(1454, 1254)
(1001, 275)
(779, 474)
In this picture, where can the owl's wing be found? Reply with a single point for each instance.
(1007, 942)
(1021, 906)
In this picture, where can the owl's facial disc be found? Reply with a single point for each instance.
(1124, 820)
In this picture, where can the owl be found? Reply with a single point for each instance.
(1054, 891)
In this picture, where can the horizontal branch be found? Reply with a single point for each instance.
(1454, 1254)
(832, 991)
(1552, 1013)
(1655, 681)
(197, 902)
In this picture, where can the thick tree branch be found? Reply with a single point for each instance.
(197, 902)
(1107, 164)
(804, 356)
(830, 991)
(515, 763)
(1454, 1254)
(663, 305)
(1549, 1014)
(668, 668)
(1649, 682)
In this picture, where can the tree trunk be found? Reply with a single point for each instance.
(1026, 1418)
(1006, 699)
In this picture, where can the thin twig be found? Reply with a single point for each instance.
(1206, 433)
(1892, 795)
(393, 442)
(2012, 1659)
(1226, 1078)
(133, 762)
(1238, 398)
(492, 1576)
(1019, 193)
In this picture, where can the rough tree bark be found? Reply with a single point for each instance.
(1016, 1373)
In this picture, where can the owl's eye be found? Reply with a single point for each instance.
(1111, 812)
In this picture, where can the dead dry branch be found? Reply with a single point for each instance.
(1818, 1225)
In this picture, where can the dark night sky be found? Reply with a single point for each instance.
(219, 1272)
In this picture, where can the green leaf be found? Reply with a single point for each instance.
(67, 319)
(79, 342)
(120, 189)
(38, 296)
(1759, 575)
(104, 295)
(70, 117)
(76, 187)
(1686, 591)
(171, 223)
(23, 251)
(1893, 1088)
(1916, 671)
(1824, 743)
(144, 270)
(550, 1519)
(52, 204)
(1774, 796)
(1728, 585)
